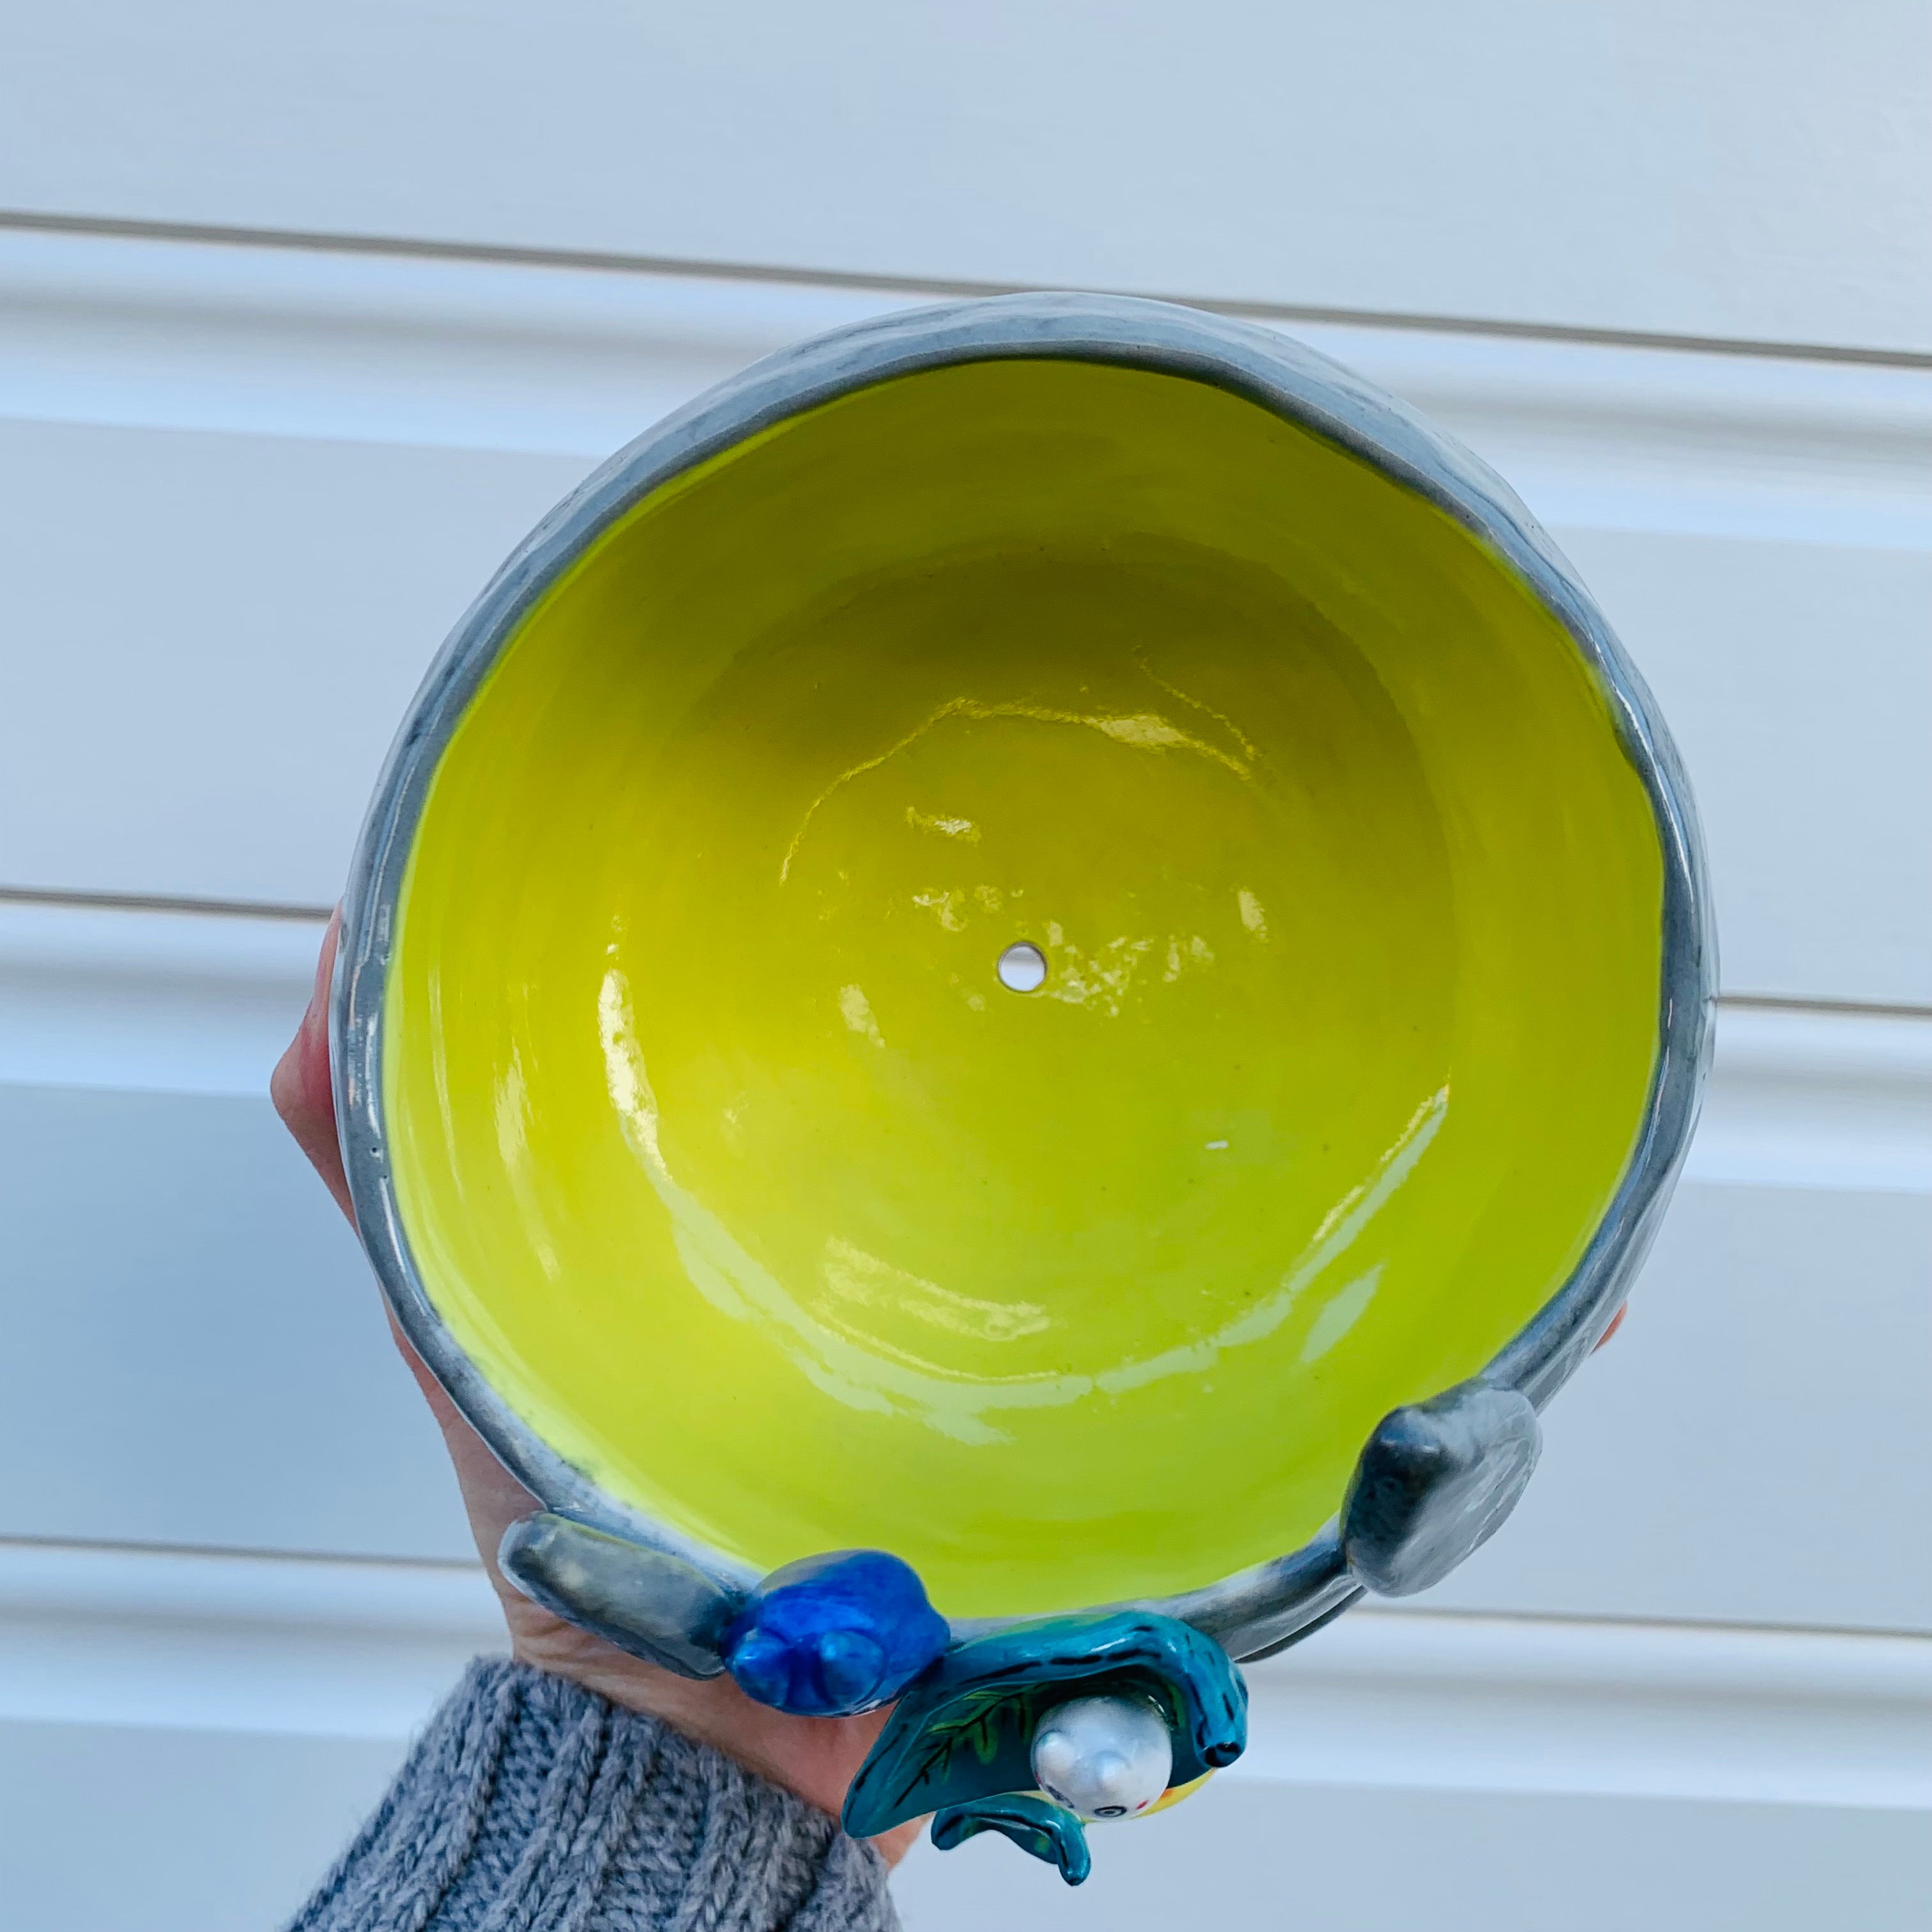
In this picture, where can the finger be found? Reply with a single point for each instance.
(301, 1087)
(492, 1497)
(1616, 1322)
(892, 1846)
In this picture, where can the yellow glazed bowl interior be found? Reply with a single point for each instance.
(724, 1153)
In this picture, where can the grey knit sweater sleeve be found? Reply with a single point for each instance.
(532, 1805)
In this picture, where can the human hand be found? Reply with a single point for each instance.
(815, 1758)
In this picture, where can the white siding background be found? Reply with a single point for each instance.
(307, 312)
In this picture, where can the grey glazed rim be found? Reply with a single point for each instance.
(1267, 1606)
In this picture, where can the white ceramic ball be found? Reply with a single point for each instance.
(1103, 1757)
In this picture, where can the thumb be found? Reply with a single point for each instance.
(300, 1086)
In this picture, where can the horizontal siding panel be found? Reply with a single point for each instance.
(1732, 169)
(1750, 1446)
(302, 1646)
(253, 1706)
(240, 623)
(193, 1354)
(291, 473)
(111, 1829)
(1258, 1856)
(110, 998)
(192, 1351)
(1797, 679)
(220, 1832)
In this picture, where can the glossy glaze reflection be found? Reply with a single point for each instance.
(725, 1154)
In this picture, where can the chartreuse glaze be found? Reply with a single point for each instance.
(724, 1154)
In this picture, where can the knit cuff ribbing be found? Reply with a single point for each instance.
(532, 1805)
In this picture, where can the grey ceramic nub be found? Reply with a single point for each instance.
(1437, 1478)
(653, 1604)
(1435, 1482)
